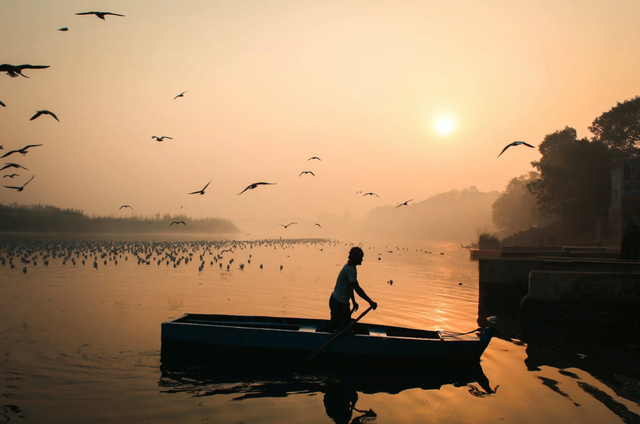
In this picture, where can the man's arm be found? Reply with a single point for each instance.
(362, 294)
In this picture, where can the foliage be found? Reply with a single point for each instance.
(50, 219)
(619, 128)
(487, 241)
(575, 179)
(516, 208)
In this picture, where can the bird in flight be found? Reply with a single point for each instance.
(44, 112)
(462, 246)
(18, 189)
(100, 15)
(177, 222)
(314, 157)
(23, 150)
(15, 70)
(285, 226)
(63, 29)
(359, 191)
(319, 225)
(10, 175)
(226, 250)
(370, 194)
(515, 143)
(161, 138)
(254, 185)
(2, 104)
(306, 172)
(180, 95)
(12, 165)
(404, 203)
(201, 191)
(125, 206)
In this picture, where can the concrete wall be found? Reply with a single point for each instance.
(552, 286)
(581, 306)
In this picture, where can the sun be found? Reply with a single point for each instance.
(444, 126)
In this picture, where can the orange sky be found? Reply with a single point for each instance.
(360, 84)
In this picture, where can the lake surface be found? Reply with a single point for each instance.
(81, 343)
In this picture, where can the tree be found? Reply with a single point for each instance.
(516, 208)
(619, 128)
(575, 179)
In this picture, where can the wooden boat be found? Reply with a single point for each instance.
(259, 338)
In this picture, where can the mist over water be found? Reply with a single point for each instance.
(80, 343)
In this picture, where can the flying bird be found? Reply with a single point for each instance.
(11, 175)
(15, 70)
(23, 150)
(177, 222)
(2, 104)
(63, 29)
(358, 192)
(125, 206)
(285, 226)
(515, 143)
(404, 203)
(180, 95)
(254, 185)
(319, 225)
(201, 191)
(100, 15)
(370, 194)
(306, 172)
(18, 189)
(12, 165)
(226, 250)
(462, 246)
(44, 112)
(161, 138)
(314, 157)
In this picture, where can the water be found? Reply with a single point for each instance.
(82, 344)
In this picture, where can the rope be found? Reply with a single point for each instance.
(453, 334)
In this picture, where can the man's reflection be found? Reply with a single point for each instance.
(340, 401)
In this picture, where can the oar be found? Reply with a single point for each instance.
(336, 337)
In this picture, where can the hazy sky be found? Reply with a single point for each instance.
(360, 84)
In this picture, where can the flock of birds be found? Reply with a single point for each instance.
(17, 70)
(169, 253)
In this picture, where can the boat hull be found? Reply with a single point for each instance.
(291, 340)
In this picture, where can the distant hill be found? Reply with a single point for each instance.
(51, 219)
(456, 215)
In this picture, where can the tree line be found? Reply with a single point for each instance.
(50, 219)
(571, 183)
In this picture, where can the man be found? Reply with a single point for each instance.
(346, 285)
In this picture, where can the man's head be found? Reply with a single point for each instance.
(355, 256)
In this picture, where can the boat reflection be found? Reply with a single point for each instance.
(340, 388)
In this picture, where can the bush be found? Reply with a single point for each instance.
(487, 241)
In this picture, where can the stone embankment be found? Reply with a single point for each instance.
(581, 291)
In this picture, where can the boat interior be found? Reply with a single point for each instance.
(304, 325)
